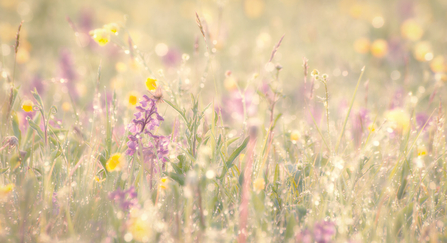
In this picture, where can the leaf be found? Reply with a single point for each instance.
(37, 97)
(3, 170)
(233, 156)
(15, 126)
(178, 178)
(34, 126)
(182, 114)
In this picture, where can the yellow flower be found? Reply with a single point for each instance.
(5, 190)
(22, 55)
(112, 27)
(151, 84)
(230, 84)
(259, 184)
(133, 98)
(438, 64)
(101, 36)
(294, 136)
(27, 106)
(66, 106)
(163, 183)
(421, 49)
(116, 162)
(371, 127)
(411, 30)
(120, 67)
(254, 8)
(140, 229)
(97, 179)
(399, 120)
(241, 158)
(379, 48)
(362, 45)
(422, 151)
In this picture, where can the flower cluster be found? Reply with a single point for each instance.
(321, 233)
(125, 199)
(146, 121)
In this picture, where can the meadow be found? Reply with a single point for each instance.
(223, 121)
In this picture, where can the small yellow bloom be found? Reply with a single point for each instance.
(421, 49)
(97, 179)
(356, 11)
(163, 183)
(120, 67)
(254, 8)
(151, 84)
(140, 229)
(371, 127)
(27, 106)
(116, 162)
(379, 48)
(112, 27)
(438, 64)
(294, 136)
(259, 184)
(399, 120)
(422, 151)
(241, 158)
(411, 30)
(362, 45)
(66, 106)
(22, 55)
(230, 84)
(133, 98)
(5, 190)
(101, 36)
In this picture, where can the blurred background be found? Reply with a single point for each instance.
(402, 43)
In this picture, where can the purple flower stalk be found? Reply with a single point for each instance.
(125, 199)
(146, 120)
(322, 233)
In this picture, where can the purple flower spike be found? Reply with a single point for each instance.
(154, 148)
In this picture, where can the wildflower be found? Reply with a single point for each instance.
(97, 179)
(254, 8)
(126, 199)
(230, 84)
(411, 30)
(322, 232)
(421, 49)
(294, 136)
(153, 147)
(112, 27)
(259, 184)
(10, 142)
(371, 127)
(314, 73)
(151, 84)
(163, 185)
(140, 227)
(116, 162)
(399, 120)
(133, 99)
(362, 45)
(5, 190)
(379, 48)
(27, 106)
(438, 64)
(120, 67)
(101, 36)
(422, 151)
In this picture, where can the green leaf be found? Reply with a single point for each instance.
(182, 114)
(37, 97)
(36, 127)
(15, 126)
(177, 177)
(233, 156)
(3, 170)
